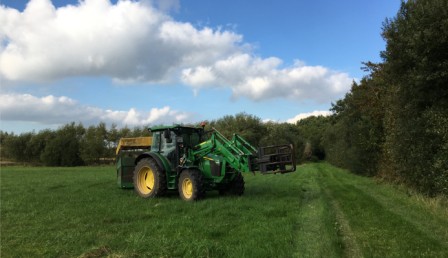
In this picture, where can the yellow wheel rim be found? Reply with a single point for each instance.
(187, 188)
(146, 180)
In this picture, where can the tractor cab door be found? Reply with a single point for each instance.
(169, 147)
(186, 139)
(175, 143)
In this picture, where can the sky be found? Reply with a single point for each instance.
(151, 62)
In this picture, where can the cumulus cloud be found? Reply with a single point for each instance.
(306, 115)
(133, 41)
(129, 41)
(61, 110)
(260, 79)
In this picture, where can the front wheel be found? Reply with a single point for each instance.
(191, 185)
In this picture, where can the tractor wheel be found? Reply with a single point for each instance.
(149, 179)
(236, 187)
(191, 186)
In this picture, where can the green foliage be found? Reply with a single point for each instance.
(248, 126)
(73, 145)
(94, 143)
(354, 139)
(64, 148)
(416, 71)
(312, 129)
(36, 145)
(393, 123)
(284, 133)
(3, 138)
(70, 145)
(15, 147)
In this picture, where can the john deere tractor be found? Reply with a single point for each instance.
(193, 161)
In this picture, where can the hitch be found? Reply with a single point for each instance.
(276, 159)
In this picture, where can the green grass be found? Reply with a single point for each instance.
(319, 211)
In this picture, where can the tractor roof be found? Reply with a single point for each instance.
(175, 126)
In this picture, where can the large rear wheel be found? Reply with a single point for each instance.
(191, 185)
(149, 180)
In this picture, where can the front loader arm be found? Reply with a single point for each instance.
(219, 145)
(243, 157)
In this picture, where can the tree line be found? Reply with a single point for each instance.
(75, 145)
(392, 124)
(70, 145)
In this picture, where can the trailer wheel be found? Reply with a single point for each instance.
(149, 180)
(190, 185)
(236, 187)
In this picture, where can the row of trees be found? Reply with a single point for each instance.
(74, 145)
(70, 145)
(394, 122)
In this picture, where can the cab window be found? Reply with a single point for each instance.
(155, 142)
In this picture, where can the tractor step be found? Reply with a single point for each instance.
(276, 159)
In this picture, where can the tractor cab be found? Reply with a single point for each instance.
(172, 142)
(167, 138)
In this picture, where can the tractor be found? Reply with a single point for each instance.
(192, 161)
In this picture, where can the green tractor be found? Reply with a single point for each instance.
(193, 161)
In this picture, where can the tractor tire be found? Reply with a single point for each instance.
(236, 187)
(149, 179)
(191, 187)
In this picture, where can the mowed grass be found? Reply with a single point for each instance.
(318, 211)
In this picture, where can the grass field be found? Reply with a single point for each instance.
(318, 211)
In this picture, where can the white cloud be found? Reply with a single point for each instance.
(61, 110)
(305, 115)
(261, 79)
(132, 41)
(129, 41)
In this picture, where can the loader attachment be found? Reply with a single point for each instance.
(243, 157)
(276, 159)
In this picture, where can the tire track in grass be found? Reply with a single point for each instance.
(378, 231)
(346, 237)
(316, 235)
(350, 247)
(432, 224)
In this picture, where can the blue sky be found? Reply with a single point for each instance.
(139, 63)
